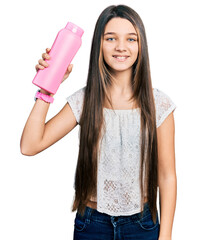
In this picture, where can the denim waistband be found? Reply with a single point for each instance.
(93, 214)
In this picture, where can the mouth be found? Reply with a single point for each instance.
(120, 58)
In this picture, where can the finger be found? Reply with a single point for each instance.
(38, 66)
(48, 50)
(43, 63)
(45, 56)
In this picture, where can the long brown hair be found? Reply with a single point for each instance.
(92, 120)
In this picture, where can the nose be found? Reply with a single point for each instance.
(120, 46)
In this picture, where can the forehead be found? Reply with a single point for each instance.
(120, 25)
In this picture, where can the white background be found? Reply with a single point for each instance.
(36, 193)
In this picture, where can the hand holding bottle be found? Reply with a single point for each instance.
(43, 64)
(64, 48)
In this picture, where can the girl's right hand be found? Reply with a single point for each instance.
(42, 64)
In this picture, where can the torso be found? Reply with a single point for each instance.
(118, 103)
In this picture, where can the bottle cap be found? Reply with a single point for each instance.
(75, 29)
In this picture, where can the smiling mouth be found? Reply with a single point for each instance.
(120, 58)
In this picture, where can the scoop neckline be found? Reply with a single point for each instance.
(125, 110)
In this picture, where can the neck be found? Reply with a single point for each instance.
(121, 81)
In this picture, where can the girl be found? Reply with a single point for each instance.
(126, 136)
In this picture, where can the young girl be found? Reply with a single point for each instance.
(126, 136)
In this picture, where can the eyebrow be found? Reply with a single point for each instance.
(111, 33)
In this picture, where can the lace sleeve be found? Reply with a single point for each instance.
(164, 106)
(76, 101)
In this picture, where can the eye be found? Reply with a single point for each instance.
(110, 39)
(131, 40)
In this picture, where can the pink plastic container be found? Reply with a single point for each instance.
(64, 48)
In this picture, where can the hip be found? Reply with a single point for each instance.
(96, 225)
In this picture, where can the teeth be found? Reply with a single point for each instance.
(121, 58)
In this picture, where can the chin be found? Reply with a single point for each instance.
(118, 67)
(121, 69)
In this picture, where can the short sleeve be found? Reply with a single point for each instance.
(164, 106)
(76, 102)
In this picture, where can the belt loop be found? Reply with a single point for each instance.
(89, 213)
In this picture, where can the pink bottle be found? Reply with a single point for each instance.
(64, 48)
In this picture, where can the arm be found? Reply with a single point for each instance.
(167, 180)
(38, 135)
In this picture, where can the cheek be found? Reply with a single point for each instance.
(134, 51)
(105, 47)
(106, 52)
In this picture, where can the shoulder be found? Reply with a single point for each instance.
(75, 101)
(158, 93)
(77, 94)
(161, 98)
(163, 105)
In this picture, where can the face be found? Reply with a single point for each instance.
(120, 45)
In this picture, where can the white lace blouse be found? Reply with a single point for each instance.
(118, 185)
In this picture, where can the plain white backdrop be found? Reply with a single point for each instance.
(36, 193)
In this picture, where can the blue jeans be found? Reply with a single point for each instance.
(95, 225)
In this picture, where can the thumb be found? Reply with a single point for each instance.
(70, 67)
